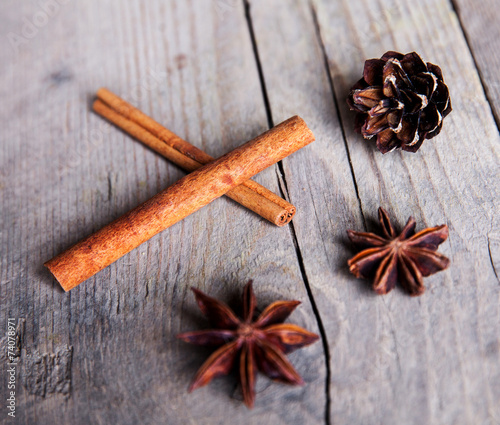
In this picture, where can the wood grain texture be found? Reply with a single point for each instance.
(105, 352)
(479, 21)
(437, 355)
(66, 173)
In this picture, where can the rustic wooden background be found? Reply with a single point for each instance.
(218, 73)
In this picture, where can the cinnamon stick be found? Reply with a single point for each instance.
(189, 194)
(250, 194)
(247, 197)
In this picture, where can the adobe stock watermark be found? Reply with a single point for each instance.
(224, 6)
(31, 27)
(11, 367)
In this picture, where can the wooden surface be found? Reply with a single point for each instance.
(218, 73)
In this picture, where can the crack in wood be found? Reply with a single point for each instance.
(336, 104)
(491, 258)
(487, 95)
(284, 192)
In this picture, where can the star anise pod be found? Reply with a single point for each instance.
(400, 99)
(405, 258)
(260, 344)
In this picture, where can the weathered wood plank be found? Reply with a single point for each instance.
(65, 173)
(389, 357)
(319, 180)
(393, 359)
(444, 344)
(479, 22)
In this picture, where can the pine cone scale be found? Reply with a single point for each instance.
(430, 119)
(387, 141)
(367, 98)
(401, 99)
(413, 64)
(409, 133)
(372, 72)
(375, 125)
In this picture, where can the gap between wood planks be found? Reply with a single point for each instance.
(335, 102)
(281, 172)
(496, 118)
(284, 193)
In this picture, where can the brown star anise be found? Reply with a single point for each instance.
(405, 258)
(260, 344)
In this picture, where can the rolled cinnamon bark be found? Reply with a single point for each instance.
(255, 197)
(188, 195)
(249, 194)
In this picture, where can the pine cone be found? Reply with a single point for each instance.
(400, 99)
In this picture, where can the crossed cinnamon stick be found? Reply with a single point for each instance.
(186, 196)
(134, 122)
